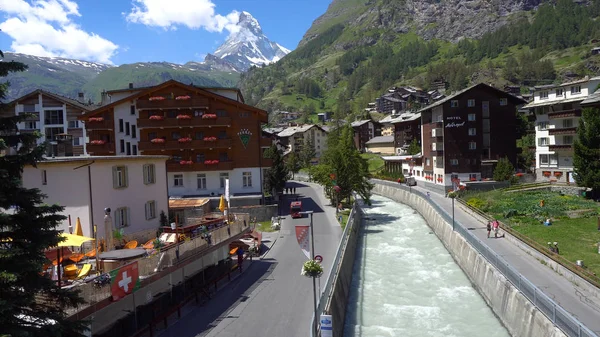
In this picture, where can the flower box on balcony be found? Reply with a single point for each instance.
(184, 117)
(209, 116)
(546, 174)
(472, 179)
(156, 118)
(210, 139)
(97, 142)
(185, 140)
(157, 141)
(182, 98)
(96, 119)
(211, 162)
(558, 174)
(186, 162)
(156, 98)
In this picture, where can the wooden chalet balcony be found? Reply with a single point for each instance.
(560, 147)
(194, 103)
(192, 122)
(564, 114)
(102, 125)
(176, 145)
(98, 149)
(175, 166)
(562, 131)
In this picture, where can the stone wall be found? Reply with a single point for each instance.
(261, 213)
(515, 311)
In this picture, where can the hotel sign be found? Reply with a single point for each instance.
(454, 122)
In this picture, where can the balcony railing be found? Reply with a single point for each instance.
(175, 166)
(565, 114)
(100, 148)
(176, 145)
(174, 122)
(196, 103)
(101, 125)
(560, 147)
(562, 131)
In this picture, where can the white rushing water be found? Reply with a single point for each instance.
(405, 282)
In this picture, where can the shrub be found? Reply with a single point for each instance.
(478, 203)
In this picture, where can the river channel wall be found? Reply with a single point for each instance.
(515, 311)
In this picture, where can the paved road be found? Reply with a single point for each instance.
(270, 298)
(573, 299)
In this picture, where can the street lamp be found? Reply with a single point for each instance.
(452, 195)
(312, 256)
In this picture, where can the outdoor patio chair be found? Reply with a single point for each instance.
(76, 257)
(84, 271)
(131, 244)
(149, 244)
(91, 253)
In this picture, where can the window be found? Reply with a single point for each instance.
(133, 131)
(119, 176)
(200, 158)
(247, 179)
(127, 128)
(223, 156)
(471, 117)
(149, 174)
(199, 135)
(503, 101)
(150, 210)
(542, 126)
(120, 125)
(543, 95)
(472, 176)
(171, 114)
(132, 109)
(30, 125)
(53, 117)
(567, 140)
(201, 179)
(559, 92)
(549, 160)
(543, 141)
(122, 145)
(472, 146)
(454, 162)
(176, 158)
(471, 103)
(244, 114)
(175, 135)
(134, 150)
(454, 103)
(178, 180)
(472, 131)
(128, 148)
(222, 135)
(73, 124)
(221, 113)
(77, 141)
(44, 178)
(222, 177)
(576, 89)
(122, 217)
(567, 123)
(151, 135)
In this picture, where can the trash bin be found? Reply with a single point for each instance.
(580, 263)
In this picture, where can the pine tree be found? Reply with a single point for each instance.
(414, 148)
(278, 174)
(504, 170)
(293, 163)
(586, 160)
(308, 152)
(31, 304)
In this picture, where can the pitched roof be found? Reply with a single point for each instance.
(292, 130)
(459, 93)
(381, 139)
(591, 99)
(359, 123)
(166, 84)
(58, 97)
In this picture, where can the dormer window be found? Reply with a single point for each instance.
(576, 89)
(543, 95)
(559, 92)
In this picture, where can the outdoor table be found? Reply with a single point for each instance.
(122, 254)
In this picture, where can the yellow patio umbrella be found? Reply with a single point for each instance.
(222, 205)
(78, 229)
(73, 240)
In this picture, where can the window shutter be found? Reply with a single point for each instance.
(125, 177)
(146, 210)
(118, 218)
(127, 216)
(146, 180)
(115, 177)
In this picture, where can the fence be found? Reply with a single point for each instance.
(561, 318)
(335, 267)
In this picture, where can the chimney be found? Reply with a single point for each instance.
(130, 85)
(80, 96)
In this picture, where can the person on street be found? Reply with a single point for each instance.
(489, 228)
(240, 256)
(496, 227)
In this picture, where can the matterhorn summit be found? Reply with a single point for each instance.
(248, 46)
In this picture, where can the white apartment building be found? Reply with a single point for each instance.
(52, 115)
(293, 138)
(557, 110)
(134, 188)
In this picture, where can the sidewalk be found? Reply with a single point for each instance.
(573, 299)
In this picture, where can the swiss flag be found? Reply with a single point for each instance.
(124, 281)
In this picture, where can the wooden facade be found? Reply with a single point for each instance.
(407, 131)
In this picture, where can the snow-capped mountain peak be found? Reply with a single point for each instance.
(249, 46)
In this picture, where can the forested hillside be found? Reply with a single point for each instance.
(348, 64)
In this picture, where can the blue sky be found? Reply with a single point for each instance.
(127, 31)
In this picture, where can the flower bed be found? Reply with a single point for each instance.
(186, 162)
(97, 142)
(158, 141)
(95, 119)
(184, 117)
(156, 118)
(209, 116)
(210, 139)
(156, 98)
(185, 140)
(182, 98)
(312, 268)
(211, 162)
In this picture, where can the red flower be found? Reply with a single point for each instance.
(182, 98)
(158, 141)
(98, 142)
(156, 118)
(209, 116)
(186, 162)
(184, 117)
(156, 98)
(95, 119)
(184, 140)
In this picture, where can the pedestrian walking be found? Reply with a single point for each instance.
(496, 227)
(489, 228)
(240, 256)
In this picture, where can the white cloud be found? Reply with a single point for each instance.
(173, 13)
(45, 28)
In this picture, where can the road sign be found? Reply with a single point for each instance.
(319, 258)
(326, 326)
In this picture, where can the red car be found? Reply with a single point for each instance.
(295, 209)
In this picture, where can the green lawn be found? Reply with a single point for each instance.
(345, 214)
(374, 160)
(264, 226)
(577, 236)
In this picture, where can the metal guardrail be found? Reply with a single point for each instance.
(335, 268)
(560, 317)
